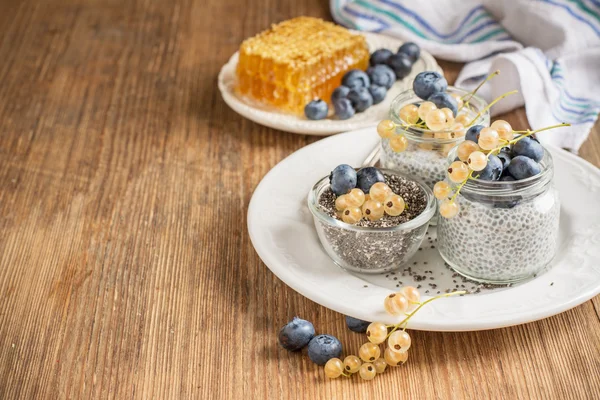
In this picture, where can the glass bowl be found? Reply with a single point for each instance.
(370, 250)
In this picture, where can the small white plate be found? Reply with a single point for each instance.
(273, 118)
(282, 232)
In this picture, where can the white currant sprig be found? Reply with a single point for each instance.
(474, 158)
(369, 362)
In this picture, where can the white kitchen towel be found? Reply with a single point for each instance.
(549, 50)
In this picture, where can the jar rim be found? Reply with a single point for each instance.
(419, 220)
(409, 96)
(501, 188)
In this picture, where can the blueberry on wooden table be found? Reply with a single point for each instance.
(296, 334)
(356, 325)
(322, 348)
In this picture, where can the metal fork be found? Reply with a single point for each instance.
(373, 157)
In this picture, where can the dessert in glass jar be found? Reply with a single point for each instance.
(423, 151)
(499, 209)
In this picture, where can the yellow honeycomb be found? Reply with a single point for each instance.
(297, 61)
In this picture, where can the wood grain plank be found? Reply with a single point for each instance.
(125, 266)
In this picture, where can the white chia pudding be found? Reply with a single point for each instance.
(504, 241)
(363, 247)
(417, 161)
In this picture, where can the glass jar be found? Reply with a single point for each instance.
(425, 157)
(505, 231)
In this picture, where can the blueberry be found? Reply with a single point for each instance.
(492, 170)
(356, 79)
(343, 108)
(428, 83)
(316, 109)
(367, 177)
(381, 75)
(400, 64)
(505, 157)
(340, 92)
(296, 334)
(357, 325)
(473, 133)
(506, 178)
(380, 56)
(377, 93)
(444, 100)
(342, 179)
(412, 50)
(529, 148)
(522, 167)
(360, 98)
(322, 348)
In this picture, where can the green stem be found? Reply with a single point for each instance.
(490, 105)
(472, 93)
(404, 322)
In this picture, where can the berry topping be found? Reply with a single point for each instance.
(529, 148)
(343, 179)
(429, 82)
(444, 100)
(522, 167)
(367, 177)
(473, 133)
(492, 170)
(316, 109)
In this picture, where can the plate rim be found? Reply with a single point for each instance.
(285, 275)
(245, 110)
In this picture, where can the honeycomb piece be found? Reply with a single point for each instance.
(297, 61)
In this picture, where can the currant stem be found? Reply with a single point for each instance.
(461, 185)
(490, 105)
(472, 93)
(404, 322)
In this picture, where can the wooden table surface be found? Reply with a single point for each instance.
(125, 267)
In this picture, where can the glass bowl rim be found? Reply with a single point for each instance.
(418, 221)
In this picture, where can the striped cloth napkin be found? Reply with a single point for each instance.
(549, 50)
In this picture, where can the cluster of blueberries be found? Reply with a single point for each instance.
(344, 178)
(299, 333)
(360, 89)
(519, 161)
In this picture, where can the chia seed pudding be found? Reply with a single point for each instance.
(425, 157)
(373, 246)
(505, 231)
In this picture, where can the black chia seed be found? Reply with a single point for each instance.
(376, 251)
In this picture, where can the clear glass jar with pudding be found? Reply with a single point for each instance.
(425, 156)
(505, 231)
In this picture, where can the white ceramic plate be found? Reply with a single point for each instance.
(270, 117)
(282, 232)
